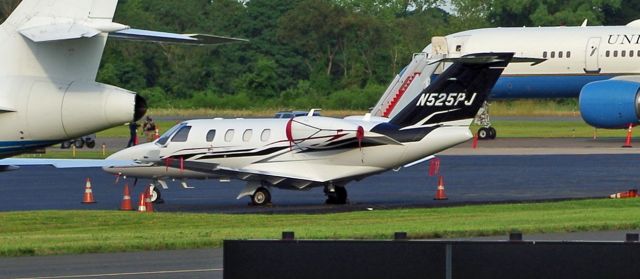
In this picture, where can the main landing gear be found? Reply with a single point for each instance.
(482, 119)
(261, 197)
(335, 194)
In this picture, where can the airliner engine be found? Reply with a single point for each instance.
(610, 104)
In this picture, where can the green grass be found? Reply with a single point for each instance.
(549, 129)
(73, 232)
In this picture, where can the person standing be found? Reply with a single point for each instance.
(149, 128)
(133, 133)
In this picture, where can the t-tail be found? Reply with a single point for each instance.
(455, 97)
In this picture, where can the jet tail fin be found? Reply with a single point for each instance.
(457, 94)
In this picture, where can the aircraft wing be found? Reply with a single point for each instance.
(66, 163)
(163, 37)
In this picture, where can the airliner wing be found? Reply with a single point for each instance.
(163, 37)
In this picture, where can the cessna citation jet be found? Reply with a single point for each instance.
(315, 151)
(50, 52)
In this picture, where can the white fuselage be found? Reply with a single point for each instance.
(259, 149)
(574, 56)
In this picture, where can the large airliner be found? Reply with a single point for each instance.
(598, 64)
(315, 151)
(50, 52)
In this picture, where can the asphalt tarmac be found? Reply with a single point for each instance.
(486, 174)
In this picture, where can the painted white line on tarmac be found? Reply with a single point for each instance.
(127, 274)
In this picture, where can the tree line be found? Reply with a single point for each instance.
(337, 54)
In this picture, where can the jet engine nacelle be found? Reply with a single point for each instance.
(610, 104)
(77, 109)
(318, 131)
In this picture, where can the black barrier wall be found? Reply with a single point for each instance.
(430, 259)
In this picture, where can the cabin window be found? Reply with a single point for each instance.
(559, 54)
(544, 54)
(247, 135)
(228, 136)
(623, 53)
(615, 53)
(568, 54)
(266, 134)
(608, 53)
(638, 54)
(459, 48)
(631, 53)
(553, 54)
(211, 135)
(182, 135)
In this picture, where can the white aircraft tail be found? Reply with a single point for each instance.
(56, 39)
(406, 85)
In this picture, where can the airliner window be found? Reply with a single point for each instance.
(247, 135)
(182, 135)
(165, 137)
(559, 54)
(553, 54)
(544, 55)
(615, 53)
(568, 54)
(623, 53)
(608, 53)
(211, 135)
(228, 136)
(266, 134)
(631, 52)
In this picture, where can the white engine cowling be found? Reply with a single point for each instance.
(58, 111)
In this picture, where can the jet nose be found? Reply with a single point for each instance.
(144, 153)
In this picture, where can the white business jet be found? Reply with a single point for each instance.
(315, 151)
(50, 52)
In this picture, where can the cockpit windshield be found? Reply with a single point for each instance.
(162, 141)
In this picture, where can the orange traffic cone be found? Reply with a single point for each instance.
(88, 194)
(633, 193)
(142, 207)
(440, 195)
(147, 200)
(627, 143)
(474, 143)
(126, 199)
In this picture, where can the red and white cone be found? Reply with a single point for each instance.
(126, 199)
(440, 194)
(142, 205)
(88, 193)
(627, 142)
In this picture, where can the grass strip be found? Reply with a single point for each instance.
(75, 232)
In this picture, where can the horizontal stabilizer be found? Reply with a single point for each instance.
(46, 29)
(471, 59)
(164, 37)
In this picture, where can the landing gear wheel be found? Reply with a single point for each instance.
(261, 197)
(483, 133)
(79, 143)
(156, 196)
(492, 132)
(90, 143)
(337, 197)
(65, 145)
